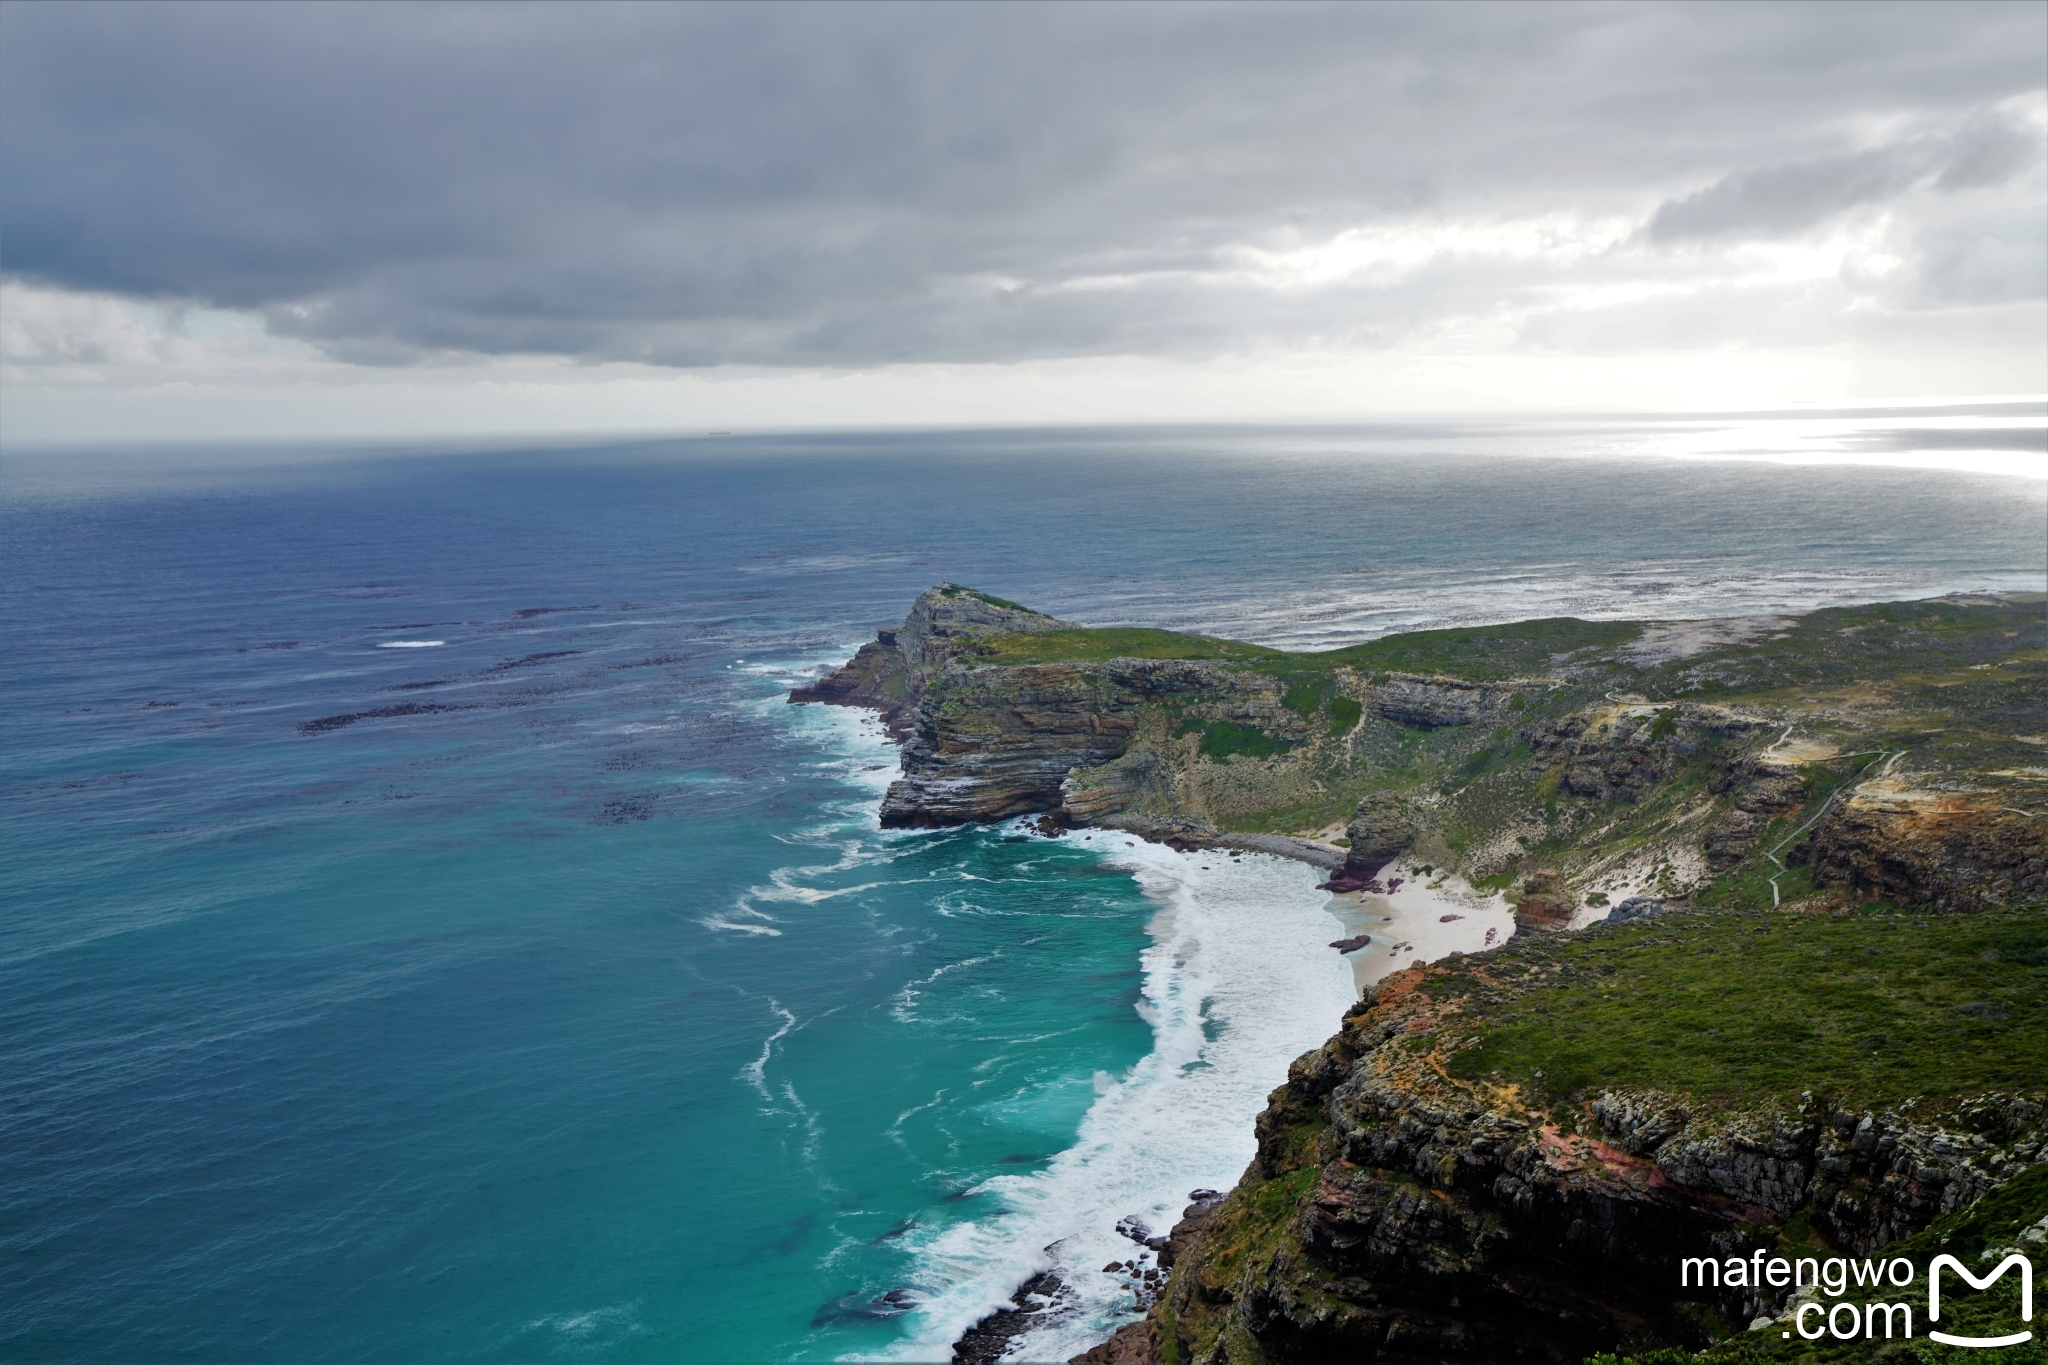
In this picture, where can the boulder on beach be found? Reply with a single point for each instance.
(1382, 829)
(1545, 902)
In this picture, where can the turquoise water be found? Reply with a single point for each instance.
(565, 1002)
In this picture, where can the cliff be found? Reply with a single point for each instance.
(1814, 1017)
(889, 673)
(1904, 745)
(1503, 1158)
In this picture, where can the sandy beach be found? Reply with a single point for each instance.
(1424, 917)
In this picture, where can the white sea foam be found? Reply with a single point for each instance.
(904, 1006)
(861, 752)
(808, 895)
(593, 1331)
(720, 922)
(412, 644)
(1238, 981)
(861, 756)
(755, 1073)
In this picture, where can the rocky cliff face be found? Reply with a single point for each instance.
(1620, 753)
(1381, 830)
(996, 742)
(944, 620)
(1187, 746)
(991, 742)
(889, 673)
(1429, 703)
(875, 677)
(1403, 1208)
(1954, 849)
(1395, 1213)
(1545, 902)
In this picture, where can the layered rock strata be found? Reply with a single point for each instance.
(1394, 1211)
(1954, 850)
(1621, 753)
(991, 742)
(1432, 703)
(1545, 903)
(1396, 1214)
(875, 677)
(889, 673)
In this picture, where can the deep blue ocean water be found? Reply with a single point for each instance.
(428, 936)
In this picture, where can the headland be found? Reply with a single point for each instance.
(1775, 977)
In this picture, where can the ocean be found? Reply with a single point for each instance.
(429, 935)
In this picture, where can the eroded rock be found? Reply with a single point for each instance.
(1382, 829)
(1546, 903)
(1957, 851)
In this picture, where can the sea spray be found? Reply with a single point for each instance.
(1238, 981)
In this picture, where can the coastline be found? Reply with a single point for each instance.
(1241, 921)
(1529, 774)
(1238, 921)
(1237, 981)
(1059, 1298)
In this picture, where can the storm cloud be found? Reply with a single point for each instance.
(839, 185)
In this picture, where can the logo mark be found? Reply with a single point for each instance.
(2026, 1268)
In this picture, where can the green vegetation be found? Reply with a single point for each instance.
(1486, 653)
(1307, 695)
(989, 598)
(1481, 654)
(1725, 1003)
(1883, 1004)
(1313, 692)
(1856, 644)
(1122, 642)
(1248, 1226)
(1224, 740)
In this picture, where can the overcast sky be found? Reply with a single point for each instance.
(331, 220)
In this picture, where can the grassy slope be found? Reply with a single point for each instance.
(1822, 648)
(1799, 999)
(1954, 683)
(1120, 642)
(1481, 654)
(1750, 1007)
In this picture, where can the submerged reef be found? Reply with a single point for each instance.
(1779, 980)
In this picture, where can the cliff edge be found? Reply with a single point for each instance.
(1779, 984)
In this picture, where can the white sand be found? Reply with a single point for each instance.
(1428, 917)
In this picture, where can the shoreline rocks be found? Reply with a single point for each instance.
(986, 1341)
(1381, 830)
(1396, 1214)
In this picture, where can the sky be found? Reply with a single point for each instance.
(337, 221)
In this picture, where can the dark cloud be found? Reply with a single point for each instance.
(835, 184)
(1784, 200)
(1780, 201)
